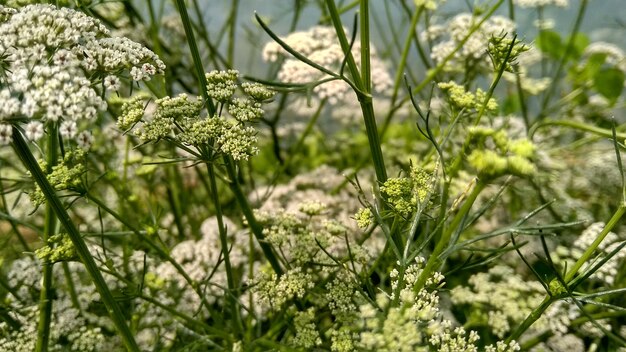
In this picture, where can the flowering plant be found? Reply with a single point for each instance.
(439, 181)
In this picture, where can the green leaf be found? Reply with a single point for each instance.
(550, 43)
(609, 82)
(594, 64)
(580, 43)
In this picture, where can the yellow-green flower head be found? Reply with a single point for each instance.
(221, 85)
(509, 156)
(364, 218)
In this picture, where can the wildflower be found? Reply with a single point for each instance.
(364, 217)
(5, 134)
(274, 291)
(306, 334)
(245, 110)
(221, 85)
(238, 141)
(132, 112)
(55, 55)
(68, 129)
(541, 3)
(320, 46)
(84, 140)
(60, 249)
(33, 130)
(112, 83)
(257, 91)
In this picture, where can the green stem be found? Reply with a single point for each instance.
(237, 323)
(362, 91)
(364, 18)
(234, 185)
(147, 240)
(537, 312)
(45, 298)
(561, 65)
(589, 252)
(405, 54)
(434, 261)
(254, 225)
(602, 132)
(231, 32)
(495, 81)
(116, 314)
(531, 319)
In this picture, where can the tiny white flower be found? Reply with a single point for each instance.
(136, 73)
(84, 140)
(34, 130)
(148, 70)
(54, 112)
(68, 129)
(5, 134)
(112, 83)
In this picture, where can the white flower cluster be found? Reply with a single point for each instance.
(614, 54)
(541, 3)
(55, 57)
(608, 272)
(504, 296)
(274, 291)
(449, 35)
(72, 328)
(319, 44)
(416, 323)
(202, 258)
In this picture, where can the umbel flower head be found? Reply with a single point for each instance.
(180, 118)
(52, 60)
(320, 45)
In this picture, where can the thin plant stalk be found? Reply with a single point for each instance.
(561, 65)
(50, 225)
(234, 185)
(237, 322)
(116, 314)
(444, 241)
(586, 256)
(362, 91)
(569, 276)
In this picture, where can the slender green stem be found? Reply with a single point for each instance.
(237, 322)
(195, 54)
(13, 221)
(257, 229)
(45, 296)
(602, 132)
(561, 65)
(366, 74)
(254, 225)
(496, 80)
(116, 314)
(434, 261)
(531, 319)
(569, 276)
(617, 216)
(231, 32)
(405, 54)
(365, 98)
